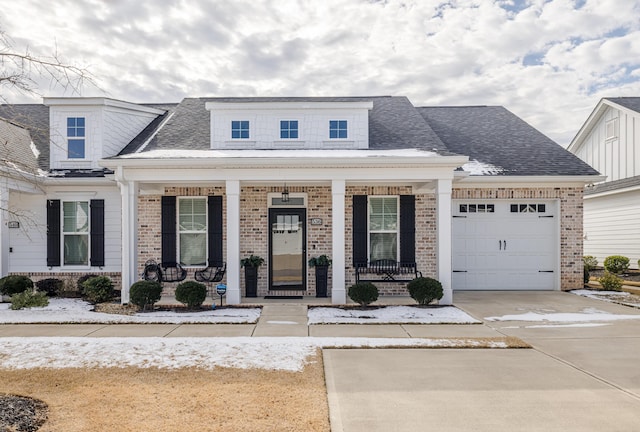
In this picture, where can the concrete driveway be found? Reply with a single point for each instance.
(584, 378)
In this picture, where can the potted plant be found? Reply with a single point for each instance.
(251, 265)
(321, 264)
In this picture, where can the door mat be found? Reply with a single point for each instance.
(283, 297)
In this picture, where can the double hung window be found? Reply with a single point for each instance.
(76, 137)
(383, 228)
(75, 232)
(192, 227)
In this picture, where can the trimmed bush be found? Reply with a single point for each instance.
(28, 299)
(52, 287)
(590, 262)
(98, 289)
(616, 264)
(610, 282)
(15, 284)
(145, 294)
(191, 293)
(363, 293)
(82, 280)
(424, 290)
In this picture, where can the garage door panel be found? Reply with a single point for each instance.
(505, 249)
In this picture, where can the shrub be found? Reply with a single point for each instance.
(610, 282)
(15, 284)
(424, 290)
(82, 280)
(145, 293)
(363, 293)
(52, 287)
(590, 262)
(28, 299)
(191, 293)
(616, 264)
(98, 289)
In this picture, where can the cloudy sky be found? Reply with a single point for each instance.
(548, 61)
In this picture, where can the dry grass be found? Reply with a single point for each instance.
(159, 400)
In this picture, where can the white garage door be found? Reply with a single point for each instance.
(505, 245)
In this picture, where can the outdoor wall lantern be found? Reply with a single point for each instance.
(285, 194)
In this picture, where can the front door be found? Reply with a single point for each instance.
(287, 246)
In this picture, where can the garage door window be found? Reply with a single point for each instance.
(477, 208)
(528, 208)
(383, 228)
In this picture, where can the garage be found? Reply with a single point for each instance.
(505, 245)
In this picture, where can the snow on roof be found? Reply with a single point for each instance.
(337, 154)
(475, 167)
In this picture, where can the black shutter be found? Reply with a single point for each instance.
(359, 230)
(53, 233)
(407, 228)
(97, 233)
(214, 223)
(168, 231)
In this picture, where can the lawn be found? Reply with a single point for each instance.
(139, 399)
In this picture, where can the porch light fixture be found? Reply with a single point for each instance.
(285, 194)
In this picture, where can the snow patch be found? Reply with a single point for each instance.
(587, 315)
(475, 167)
(390, 315)
(275, 154)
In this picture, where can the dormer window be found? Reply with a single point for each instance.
(240, 129)
(288, 129)
(337, 129)
(76, 138)
(611, 129)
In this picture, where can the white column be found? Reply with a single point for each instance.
(443, 236)
(233, 242)
(338, 291)
(4, 229)
(129, 271)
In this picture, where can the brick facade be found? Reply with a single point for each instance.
(254, 232)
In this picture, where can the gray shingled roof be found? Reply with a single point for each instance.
(16, 151)
(35, 119)
(632, 103)
(493, 135)
(393, 124)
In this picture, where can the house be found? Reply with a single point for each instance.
(472, 196)
(609, 141)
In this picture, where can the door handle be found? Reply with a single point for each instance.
(505, 245)
(500, 243)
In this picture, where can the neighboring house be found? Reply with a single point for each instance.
(609, 141)
(473, 196)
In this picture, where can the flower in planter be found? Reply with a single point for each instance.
(320, 261)
(252, 261)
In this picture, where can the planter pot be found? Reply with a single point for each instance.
(321, 280)
(251, 281)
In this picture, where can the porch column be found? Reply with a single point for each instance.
(443, 238)
(129, 271)
(4, 229)
(233, 242)
(338, 291)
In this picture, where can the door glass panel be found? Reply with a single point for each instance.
(286, 253)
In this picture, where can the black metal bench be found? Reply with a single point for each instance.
(386, 270)
(168, 272)
(212, 273)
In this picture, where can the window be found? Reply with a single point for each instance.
(383, 228)
(240, 129)
(288, 129)
(477, 208)
(75, 137)
(75, 232)
(337, 129)
(192, 227)
(611, 129)
(528, 208)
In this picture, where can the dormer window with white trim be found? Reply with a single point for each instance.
(240, 129)
(611, 129)
(289, 129)
(337, 129)
(76, 142)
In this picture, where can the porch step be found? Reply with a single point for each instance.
(278, 320)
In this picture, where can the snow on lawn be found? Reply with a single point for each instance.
(390, 315)
(620, 297)
(587, 315)
(281, 353)
(64, 310)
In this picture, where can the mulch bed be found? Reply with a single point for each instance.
(22, 414)
(630, 275)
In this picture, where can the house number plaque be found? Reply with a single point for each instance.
(316, 221)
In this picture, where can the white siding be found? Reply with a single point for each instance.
(93, 137)
(313, 127)
(120, 127)
(29, 242)
(612, 226)
(617, 158)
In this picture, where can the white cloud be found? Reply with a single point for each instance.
(434, 52)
